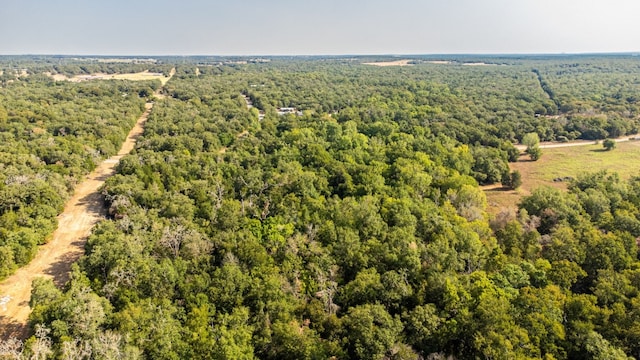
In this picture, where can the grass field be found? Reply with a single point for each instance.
(391, 63)
(565, 162)
(145, 75)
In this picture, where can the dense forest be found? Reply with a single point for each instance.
(51, 135)
(354, 229)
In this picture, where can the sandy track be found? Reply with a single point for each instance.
(552, 145)
(54, 259)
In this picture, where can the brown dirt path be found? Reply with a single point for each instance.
(81, 212)
(553, 145)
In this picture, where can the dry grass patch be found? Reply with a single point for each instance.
(391, 63)
(565, 162)
(141, 76)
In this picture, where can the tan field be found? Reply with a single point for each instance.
(565, 160)
(141, 76)
(391, 63)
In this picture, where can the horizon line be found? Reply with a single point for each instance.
(333, 55)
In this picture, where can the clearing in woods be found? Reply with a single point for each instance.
(562, 162)
(391, 63)
(145, 75)
(83, 210)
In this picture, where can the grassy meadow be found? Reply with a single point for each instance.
(565, 162)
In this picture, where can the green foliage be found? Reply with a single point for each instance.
(370, 331)
(531, 140)
(553, 207)
(52, 134)
(534, 152)
(609, 144)
(354, 230)
(489, 165)
(512, 180)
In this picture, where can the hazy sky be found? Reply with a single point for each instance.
(270, 27)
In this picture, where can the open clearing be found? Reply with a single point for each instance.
(145, 75)
(391, 63)
(563, 162)
(478, 64)
(81, 212)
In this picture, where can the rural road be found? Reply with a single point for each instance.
(81, 212)
(551, 145)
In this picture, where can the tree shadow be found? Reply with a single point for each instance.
(501, 189)
(94, 203)
(599, 150)
(61, 269)
(104, 176)
(10, 328)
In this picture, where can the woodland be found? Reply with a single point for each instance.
(356, 229)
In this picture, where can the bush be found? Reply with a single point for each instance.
(513, 180)
(609, 144)
(534, 153)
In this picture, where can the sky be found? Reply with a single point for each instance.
(314, 27)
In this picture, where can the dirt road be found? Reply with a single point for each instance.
(81, 213)
(552, 145)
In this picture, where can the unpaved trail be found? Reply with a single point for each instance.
(81, 212)
(553, 145)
